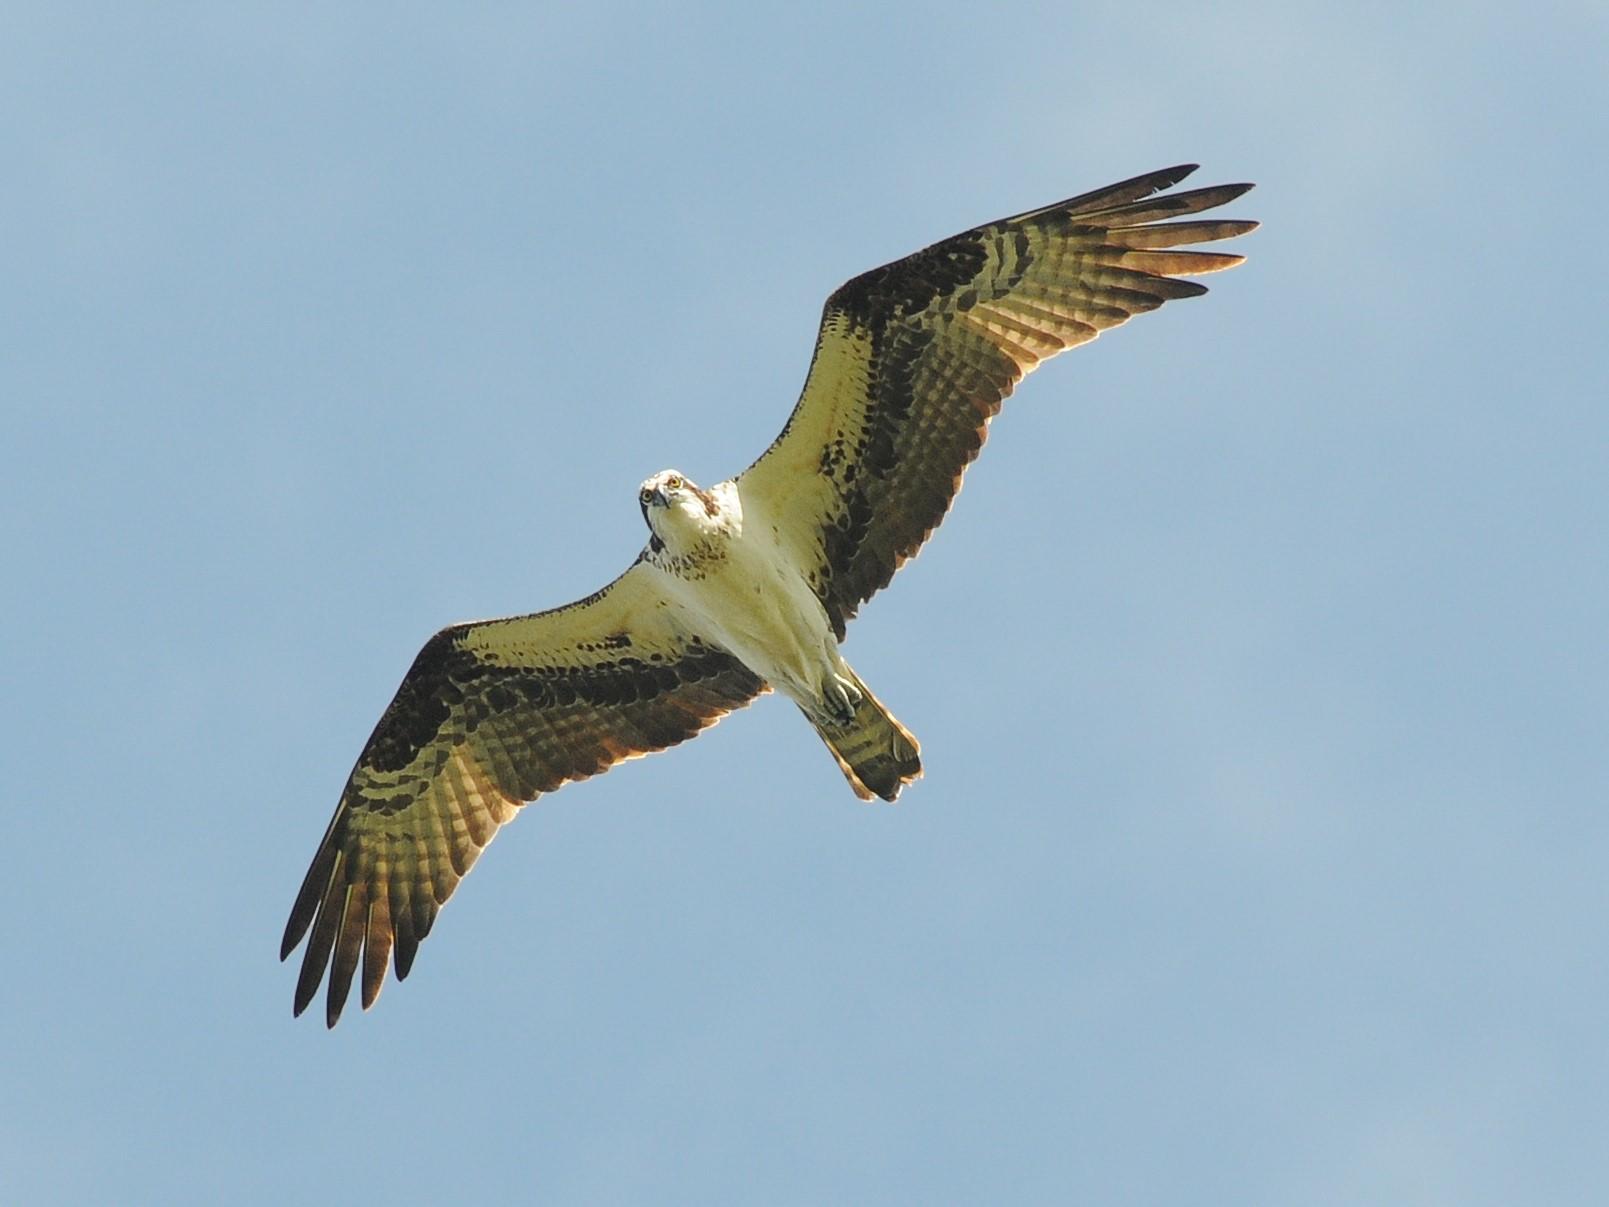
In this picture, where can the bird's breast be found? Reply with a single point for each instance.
(758, 606)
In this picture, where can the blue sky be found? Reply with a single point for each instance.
(1261, 671)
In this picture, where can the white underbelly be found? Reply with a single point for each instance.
(769, 618)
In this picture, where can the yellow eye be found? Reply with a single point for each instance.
(644, 495)
(674, 482)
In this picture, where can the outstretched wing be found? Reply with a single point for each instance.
(914, 359)
(491, 715)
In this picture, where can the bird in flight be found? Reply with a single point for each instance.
(747, 585)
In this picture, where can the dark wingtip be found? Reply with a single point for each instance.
(402, 956)
(295, 927)
(304, 995)
(305, 908)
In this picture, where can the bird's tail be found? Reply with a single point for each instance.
(877, 754)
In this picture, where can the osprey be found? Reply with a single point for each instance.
(748, 585)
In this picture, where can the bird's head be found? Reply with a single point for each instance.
(676, 508)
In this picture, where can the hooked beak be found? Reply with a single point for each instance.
(659, 498)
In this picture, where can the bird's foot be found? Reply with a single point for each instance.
(842, 697)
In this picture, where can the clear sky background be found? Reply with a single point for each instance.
(1261, 671)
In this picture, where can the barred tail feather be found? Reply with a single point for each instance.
(877, 754)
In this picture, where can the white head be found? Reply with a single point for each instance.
(676, 510)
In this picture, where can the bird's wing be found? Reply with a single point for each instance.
(914, 358)
(491, 715)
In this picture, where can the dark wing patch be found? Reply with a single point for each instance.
(491, 715)
(914, 359)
